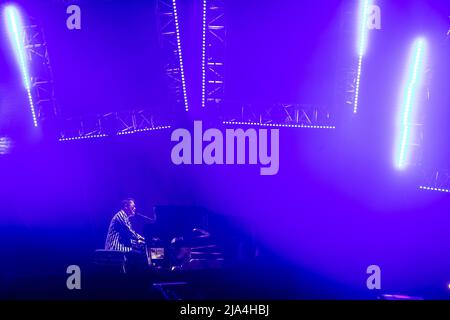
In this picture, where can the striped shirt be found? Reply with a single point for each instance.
(121, 235)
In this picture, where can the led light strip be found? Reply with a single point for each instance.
(363, 34)
(407, 107)
(121, 133)
(434, 189)
(278, 125)
(84, 137)
(15, 27)
(180, 54)
(142, 130)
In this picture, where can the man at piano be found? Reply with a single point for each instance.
(121, 235)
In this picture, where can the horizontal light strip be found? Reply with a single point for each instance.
(281, 125)
(93, 136)
(121, 133)
(434, 189)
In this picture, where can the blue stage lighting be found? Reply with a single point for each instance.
(362, 46)
(16, 35)
(204, 55)
(406, 116)
(180, 54)
(281, 125)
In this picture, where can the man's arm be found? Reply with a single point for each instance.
(126, 226)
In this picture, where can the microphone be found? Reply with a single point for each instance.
(145, 217)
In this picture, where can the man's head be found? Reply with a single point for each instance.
(128, 206)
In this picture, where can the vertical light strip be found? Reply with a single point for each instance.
(362, 45)
(204, 55)
(180, 54)
(15, 30)
(406, 111)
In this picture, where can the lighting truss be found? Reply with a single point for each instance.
(283, 115)
(41, 73)
(180, 53)
(347, 63)
(407, 122)
(346, 86)
(214, 45)
(36, 68)
(278, 125)
(170, 44)
(110, 124)
(448, 32)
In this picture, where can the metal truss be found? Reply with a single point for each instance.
(346, 85)
(350, 63)
(168, 43)
(347, 71)
(303, 115)
(417, 126)
(448, 33)
(41, 74)
(415, 145)
(109, 124)
(215, 53)
(436, 180)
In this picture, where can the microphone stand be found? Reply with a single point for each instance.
(145, 217)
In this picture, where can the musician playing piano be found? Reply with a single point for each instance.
(121, 235)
